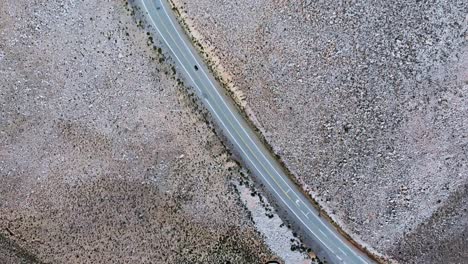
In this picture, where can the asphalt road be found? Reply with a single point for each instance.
(326, 241)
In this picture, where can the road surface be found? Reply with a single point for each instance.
(327, 242)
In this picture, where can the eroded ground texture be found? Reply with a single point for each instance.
(366, 103)
(102, 159)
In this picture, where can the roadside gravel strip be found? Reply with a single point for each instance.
(327, 242)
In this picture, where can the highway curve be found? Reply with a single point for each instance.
(327, 242)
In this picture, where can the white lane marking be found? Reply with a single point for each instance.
(320, 230)
(343, 252)
(235, 118)
(165, 40)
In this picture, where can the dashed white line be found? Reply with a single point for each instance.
(321, 232)
(342, 251)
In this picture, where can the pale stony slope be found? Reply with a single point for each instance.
(365, 102)
(103, 159)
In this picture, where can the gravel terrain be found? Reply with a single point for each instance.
(278, 236)
(103, 156)
(366, 104)
(10, 252)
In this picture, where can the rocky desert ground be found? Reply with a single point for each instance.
(104, 158)
(366, 104)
